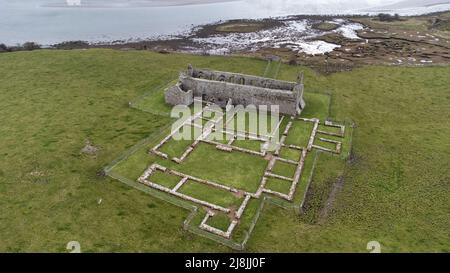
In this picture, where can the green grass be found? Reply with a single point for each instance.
(241, 27)
(291, 154)
(153, 101)
(209, 194)
(284, 169)
(220, 138)
(220, 221)
(444, 26)
(299, 133)
(236, 169)
(329, 129)
(396, 189)
(325, 176)
(278, 185)
(317, 106)
(164, 179)
(214, 172)
(325, 144)
(272, 69)
(253, 145)
(243, 121)
(175, 148)
(325, 26)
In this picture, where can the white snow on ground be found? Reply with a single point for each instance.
(316, 47)
(349, 30)
(297, 35)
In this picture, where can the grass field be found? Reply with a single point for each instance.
(396, 187)
(236, 169)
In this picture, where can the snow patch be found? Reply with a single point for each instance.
(297, 35)
(350, 30)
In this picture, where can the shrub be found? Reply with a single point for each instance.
(385, 17)
(72, 45)
(3, 48)
(30, 46)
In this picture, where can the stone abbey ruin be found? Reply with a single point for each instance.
(222, 88)
(317, 132)
(226, 181)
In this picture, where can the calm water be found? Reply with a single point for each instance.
(52, 21)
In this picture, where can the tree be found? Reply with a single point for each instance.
(385, 17)
(3, 48)
(30, 46)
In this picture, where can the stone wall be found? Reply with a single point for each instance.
(220, 92)
(241, 79)
(219, 87)
(176, 95)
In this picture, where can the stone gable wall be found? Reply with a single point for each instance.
(175, 95)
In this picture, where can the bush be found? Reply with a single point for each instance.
(293, 61)
(3, 48)
(385, 17)
(30, 46)
(72, 45)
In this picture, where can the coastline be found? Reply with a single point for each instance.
(349, 40)
(137, 20)
(152, 4)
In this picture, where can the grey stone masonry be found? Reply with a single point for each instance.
(175, 95)
(222, 87)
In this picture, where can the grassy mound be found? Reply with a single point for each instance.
(325, 26)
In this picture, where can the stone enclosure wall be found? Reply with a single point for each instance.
(240, 79)
(219, 87)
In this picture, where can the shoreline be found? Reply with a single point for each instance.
(343, 41)
(192, 29)
(152, 4)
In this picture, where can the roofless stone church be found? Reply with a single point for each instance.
(222, 88)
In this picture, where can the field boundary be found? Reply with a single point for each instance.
(135, 102)
(130, 151)
(269, 67)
